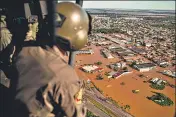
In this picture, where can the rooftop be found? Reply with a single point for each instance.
(145, 65)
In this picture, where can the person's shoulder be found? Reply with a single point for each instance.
(71, 72)
(66, 73)
(37, 53)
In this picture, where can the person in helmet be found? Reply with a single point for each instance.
(46, 86)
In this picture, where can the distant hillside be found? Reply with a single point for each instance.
(132, 11)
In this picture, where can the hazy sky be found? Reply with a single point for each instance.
(159, 5)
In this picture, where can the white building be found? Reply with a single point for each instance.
(90, 68)
(154, 80)
(157, 81)
(144, 67)
(113, 47)
(85, 52)
(169, 73)
(162, 63)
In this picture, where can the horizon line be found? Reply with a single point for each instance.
(132, 9)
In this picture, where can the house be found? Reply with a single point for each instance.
(144, 67)
(113, 47)
(85, 51)
(163, 63)
(117, 65)
(110, 74)
(157, 81)
(118, 74)
(115, 75)
(139, 50)
(91, 68)
(154, 80)
(169, 73)
(107, 54)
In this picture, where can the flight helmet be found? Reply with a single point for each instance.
(72, 26)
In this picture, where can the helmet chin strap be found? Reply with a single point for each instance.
(72, 53)
(71, 58)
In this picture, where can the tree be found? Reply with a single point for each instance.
(133, 63)
(90, 114)
(106, 73)
(161, 99)
(122, 83)
(127, 107)
(141, 75)
(157, 87)
(125, 69)
(116, 69)
(98, 63)
(99, 77)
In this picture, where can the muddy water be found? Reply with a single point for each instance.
(140, 105)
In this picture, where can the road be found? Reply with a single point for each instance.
(95, 110)
(117, 111)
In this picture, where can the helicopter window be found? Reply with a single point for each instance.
(134, 26)
(27, 10)
(65, 1)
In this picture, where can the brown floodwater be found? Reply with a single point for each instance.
(140, 105)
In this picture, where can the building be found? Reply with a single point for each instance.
(113, 47)
(103, 43)
(110, 74)
(91, 68)
(139, 50)
(107, 54)
(157, 81)
(116, 75)
(144, 67)
(126, 53)
(117, 65)
(154, 80)
(169, 73)
(85, 52)
(163, 63)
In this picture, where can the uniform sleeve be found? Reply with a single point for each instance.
(61, 99)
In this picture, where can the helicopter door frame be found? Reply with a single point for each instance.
(80, 2)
